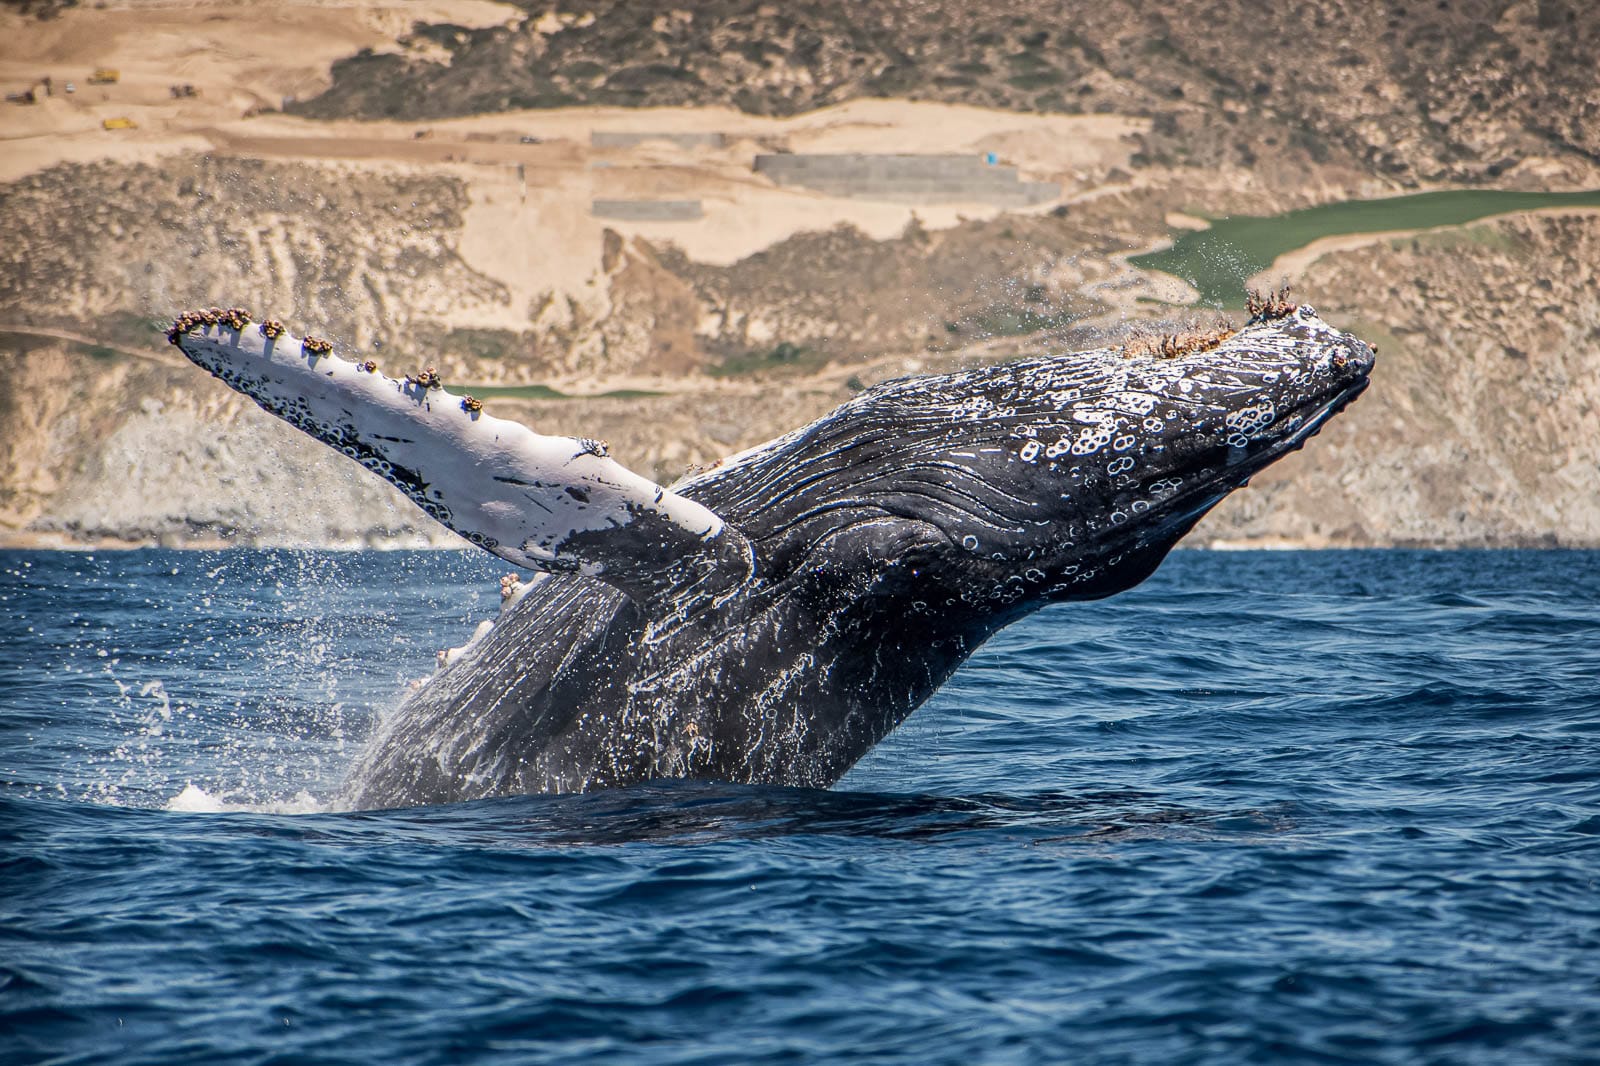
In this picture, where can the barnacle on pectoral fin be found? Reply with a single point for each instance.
(235, 318)
(428, 379)
(315, 346)
(1270, 305)
(271, 329)
(182, 325)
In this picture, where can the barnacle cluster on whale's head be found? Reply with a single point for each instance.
(1178, 343)
(1265, 306)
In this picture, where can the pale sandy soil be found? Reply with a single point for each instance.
(529, 225)
(530, 199)
(238, 56)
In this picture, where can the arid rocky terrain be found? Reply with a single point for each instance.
(1482, 426)
(1455, 90)
(427, 199)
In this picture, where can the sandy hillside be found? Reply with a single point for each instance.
(528, 199)
(492, 244)
(237, 56)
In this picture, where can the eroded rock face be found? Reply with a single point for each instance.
(1481, 425)
(120, 450)
(363, 255)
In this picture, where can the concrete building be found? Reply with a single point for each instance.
(908, 178)
(647, 210)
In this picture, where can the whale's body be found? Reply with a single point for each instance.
(772, 619)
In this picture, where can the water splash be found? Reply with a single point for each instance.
(248, 678)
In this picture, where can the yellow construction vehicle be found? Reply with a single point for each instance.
(119, 124)
(105, 76)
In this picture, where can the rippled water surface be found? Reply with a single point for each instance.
(1286, 807)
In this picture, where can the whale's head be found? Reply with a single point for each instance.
(1066, 477)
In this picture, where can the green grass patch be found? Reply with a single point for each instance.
(129, 328)
(1037, 79)
(783, 356)
(1467, 237)
(483, 343)
(1218, 261)
(20, 342)
(24, 342)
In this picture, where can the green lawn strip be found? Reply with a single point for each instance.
(1218, 261)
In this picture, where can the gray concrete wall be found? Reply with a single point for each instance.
(619, 139)
(647, 210)
(907, 178)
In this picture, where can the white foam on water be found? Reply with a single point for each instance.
(196, 800)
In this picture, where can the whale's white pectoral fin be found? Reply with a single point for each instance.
(546, 503)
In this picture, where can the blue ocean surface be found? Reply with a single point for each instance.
(1321, 807)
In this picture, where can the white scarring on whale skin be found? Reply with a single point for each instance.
(519, 494)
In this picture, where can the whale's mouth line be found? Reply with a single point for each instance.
(1188, 506)
(1313, 424)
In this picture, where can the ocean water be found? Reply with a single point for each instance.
(1268, 807)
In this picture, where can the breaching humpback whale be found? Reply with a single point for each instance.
(770, 619)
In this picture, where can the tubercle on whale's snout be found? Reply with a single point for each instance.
(1269, 305)
(1301, 336)
(1348, 358)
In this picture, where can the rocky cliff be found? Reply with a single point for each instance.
(1482, 427)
